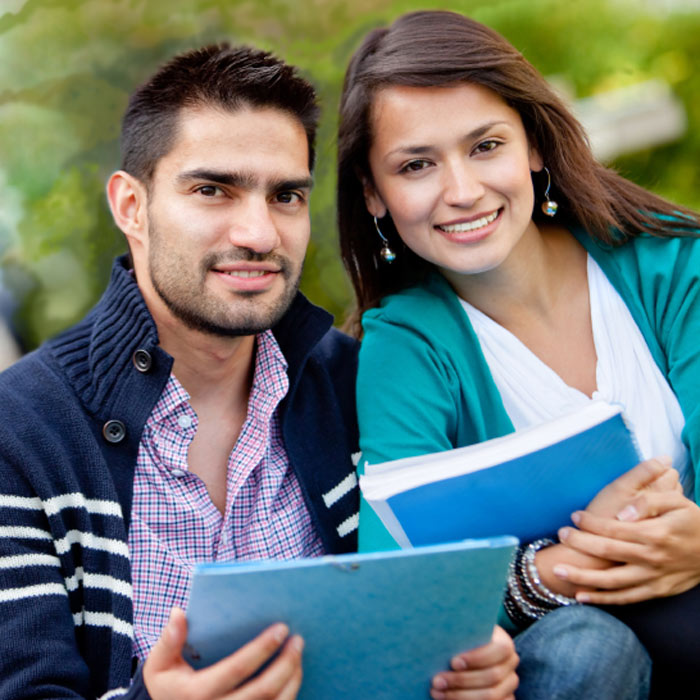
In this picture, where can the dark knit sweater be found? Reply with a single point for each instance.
(72, 416)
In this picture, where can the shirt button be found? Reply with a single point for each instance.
(184, 421)
(178, 472)
(142, 360)
(114, 431)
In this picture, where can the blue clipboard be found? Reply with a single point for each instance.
(376, 626)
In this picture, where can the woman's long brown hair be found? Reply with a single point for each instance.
(439, 48)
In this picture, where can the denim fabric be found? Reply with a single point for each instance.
(581, 652)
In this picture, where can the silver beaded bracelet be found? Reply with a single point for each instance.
(519, 609)
(532, 581)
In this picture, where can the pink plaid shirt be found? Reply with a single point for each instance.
(175, 525)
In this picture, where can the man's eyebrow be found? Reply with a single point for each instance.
(247, 181)
(221, 177)
(304, 183)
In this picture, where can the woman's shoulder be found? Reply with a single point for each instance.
(416, 304)
(644, 251)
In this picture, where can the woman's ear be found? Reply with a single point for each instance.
(373, 202)
(535, 160)
(127, 199)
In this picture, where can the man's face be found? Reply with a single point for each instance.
(228, 220)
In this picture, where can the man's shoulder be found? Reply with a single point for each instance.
(34, 373)
(336, 345)
(35, 401)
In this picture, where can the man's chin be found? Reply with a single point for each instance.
(246, 322)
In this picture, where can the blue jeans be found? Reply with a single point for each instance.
(581, 652)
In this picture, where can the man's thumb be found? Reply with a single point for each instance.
(167, 651)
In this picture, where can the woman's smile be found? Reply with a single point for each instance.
(451, 166)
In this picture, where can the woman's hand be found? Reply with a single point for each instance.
(651, 475)
(656, 539)
(484, 673)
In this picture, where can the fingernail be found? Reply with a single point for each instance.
(583, 598)
(628, 513)
(564, 533)
(459, 664)
(560, 571)
(576, 518)
(280, 633)
(297, 643)
(439, 683)
(666, 461)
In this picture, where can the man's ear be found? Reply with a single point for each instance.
(128, 200)
(374, 203)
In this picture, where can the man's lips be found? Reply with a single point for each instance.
(471, 224)
(247, 277)
(246, 271)
(245, 274)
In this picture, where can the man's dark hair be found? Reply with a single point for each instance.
(217, 75)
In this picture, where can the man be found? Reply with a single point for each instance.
(203, 410)
(172, 425)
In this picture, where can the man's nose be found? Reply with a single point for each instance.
(254, 227)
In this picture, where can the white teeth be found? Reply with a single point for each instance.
(247, 273)
(470, 225)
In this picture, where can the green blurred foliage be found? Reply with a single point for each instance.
(68, 66)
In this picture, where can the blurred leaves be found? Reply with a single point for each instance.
(68, 66)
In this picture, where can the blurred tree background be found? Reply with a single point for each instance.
(68, 66)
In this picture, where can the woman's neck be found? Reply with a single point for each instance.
(545, 270)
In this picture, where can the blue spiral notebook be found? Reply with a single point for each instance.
(525, 484)
(376, 626)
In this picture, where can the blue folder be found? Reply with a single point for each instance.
(376, 626)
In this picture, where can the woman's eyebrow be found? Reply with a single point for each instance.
(417, 150)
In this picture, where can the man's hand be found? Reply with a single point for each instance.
(486, 672)
(168, 676)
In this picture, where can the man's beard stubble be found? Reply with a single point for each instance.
(245, 314)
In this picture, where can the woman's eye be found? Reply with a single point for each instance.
(414, 166)
(486, 146)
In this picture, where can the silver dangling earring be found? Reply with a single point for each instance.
(549, 206)
(387, 253)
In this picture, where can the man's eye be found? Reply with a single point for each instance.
(288, 197)
(209, 190)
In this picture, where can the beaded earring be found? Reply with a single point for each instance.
(549, 206)
(388, 255)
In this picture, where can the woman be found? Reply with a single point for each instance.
(505, 277)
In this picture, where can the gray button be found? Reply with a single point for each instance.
(142, 360)
(114, 431)
(178, 472)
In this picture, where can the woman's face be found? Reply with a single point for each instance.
(452, 167)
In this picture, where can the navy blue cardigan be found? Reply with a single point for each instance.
(72, 413)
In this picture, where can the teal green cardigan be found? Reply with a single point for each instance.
(424, 385)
